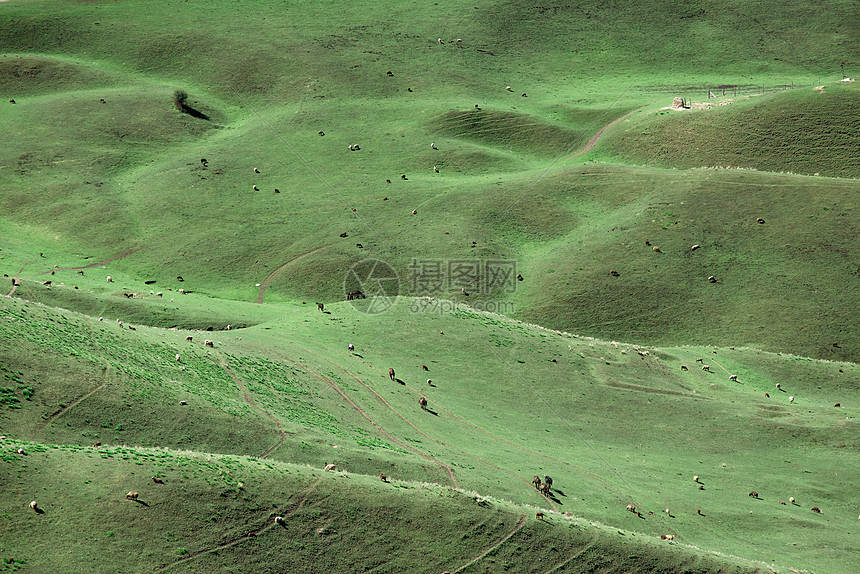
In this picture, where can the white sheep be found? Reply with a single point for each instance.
(159, 294)
(433, 146)
(696, 478)
(330, 467)
(109, 279)
(791, 399)
(733, 377)
(177, 356)
(208, 343)
(34, 506)
(182, 291)
(706, 368)
(791, 499)
(132, 495)
(440, 41)
(229, 327)
(435, 169)
(255, 188)
(694, 247)
(256, 170)
(351, 348)
(279, 520)
(712, 279)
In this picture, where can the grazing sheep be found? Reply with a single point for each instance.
(699, 360)
(440, 41)
(684, 368)
(109, 279)
(414, 212)
(208, 343)
(423, 402)
(256, 170)
(189, 338)
(656, 249)
(435, 169)
(712, 279)
(791, 500)
(706, 368)
(695, 478)
(519, 277)
(383, 478)
(701, 487)
(177, 357)
(182, 291)
(390, 74)
(34, 506)
(694, 247)
(48, 283)
(21, 451)
(391, 374)
(816, 509)
(790, 399)
(631, 508)
(343, 234)
(132, 495)
(279, 520)
(403, 176)
(782, 502)
(733, 377)
(667, 537)
(322, 133)
(255, 188)
(433, 146)
(754, 494)
(351, 348)
(157, 480)
(159, 294)
(359, 245)
(183, 403)
(759, 220)
(767, 395)
(330, 467)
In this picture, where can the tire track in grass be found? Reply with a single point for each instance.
(525, 480)
(247, 396)
(504, 539)
(63, 410)
(589, 145)
(252, 534)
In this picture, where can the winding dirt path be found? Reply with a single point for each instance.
(504, 539)
(253, 405)
(295, 259)
(251, 534)
(589, 145)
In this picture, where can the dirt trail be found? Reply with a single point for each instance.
(589, 145)
(519, 525)
(63, 410)
(253, 405)
(251, 534)
(271, 275)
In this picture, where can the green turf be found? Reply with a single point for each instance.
(247, 207)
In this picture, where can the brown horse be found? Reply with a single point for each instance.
(536, 482)
(391, 375)
(321, 307)
(423, 402)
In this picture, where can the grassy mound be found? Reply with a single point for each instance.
(802, 131)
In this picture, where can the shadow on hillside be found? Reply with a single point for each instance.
(194, 113)
(400, 381)
(431, 411)
(557, 491)
(142, 503)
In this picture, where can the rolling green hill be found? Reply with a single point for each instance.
(531, 137)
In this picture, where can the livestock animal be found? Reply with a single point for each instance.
(351, 347)
(391, 374)
(322, 133)
(35, 506)
(791, 399)
(359, 245)
(539, 515)
(157, 480)
(414, 212)
(255, 188)
(97, 444)
(182, 291)
(183, 403)
(423, 402)
(390, 73)
(330, 467)
(684, 368)
(435, 169)
(544, 489)
(699, 360)
(536, 481)
(519, 277)
(816, 509)
(631, 508)
(695, 478)
(132, 495)
(706, 367)
(767, 395)
(256, 170)
(791, 499)
(694, 247)
(430, 382)
(712, 279)
(48, 282)
(754, 494)
(733, 377)
(279, 520)
(177, 357)
(109, 279)
(838, 405)
(547, 479)
(433, 146)
(656, 249)
(667, 537)
(208, 343)
(424, 367)
(782, 502)
(343, 234)
(321, 307)
(189, 338)
(355, 295)
(383, 478)
(759, 220)
(699, 512)
(159, 294)
(80, 271)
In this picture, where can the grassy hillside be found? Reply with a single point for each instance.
(318, 136)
